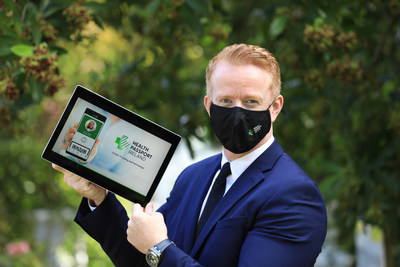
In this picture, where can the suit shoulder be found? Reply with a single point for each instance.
(286, 174)
(289, 169)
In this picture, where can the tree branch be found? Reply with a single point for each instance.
(379, 47)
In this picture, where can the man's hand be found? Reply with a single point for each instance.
(146, 228)
(93, 192)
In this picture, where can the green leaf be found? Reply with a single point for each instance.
(387, 88)
(321, 13)
(43, 5)
(3, 19)
(98, 7)
(48, 54)
(191, 21)
(60, 50)
(98, 21)
(36, 90)
(28, 12)
(152, 7)
(36, 33)
(198, 5)
(52, 10)
(15, 18)
(7, 31)
(277, 26)
(10, 4)
(7, 41)
(4, 51)
(30, 18)
(23, 50)
(319, 21)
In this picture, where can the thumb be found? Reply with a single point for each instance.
(137, 209)
(149, 209)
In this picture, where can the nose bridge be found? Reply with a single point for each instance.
(238, 103)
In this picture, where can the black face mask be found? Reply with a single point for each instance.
(239, 130)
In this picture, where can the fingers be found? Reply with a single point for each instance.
(94, 150)
(81, 185)
(74, 181)
(57, 168)
(69, 177)
(84, 187)
(71, 132)
(146, 227)
(69, 136)
(137, 209)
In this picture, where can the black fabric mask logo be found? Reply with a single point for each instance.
(239, 130)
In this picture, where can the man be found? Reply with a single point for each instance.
(271, 213)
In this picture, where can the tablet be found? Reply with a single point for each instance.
(111, 146)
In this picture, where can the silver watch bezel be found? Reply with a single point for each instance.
(153, 256)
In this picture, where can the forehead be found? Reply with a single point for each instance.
(240, 79)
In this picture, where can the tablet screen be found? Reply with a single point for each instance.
(111, 146)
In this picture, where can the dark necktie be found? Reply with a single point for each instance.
(215, 196)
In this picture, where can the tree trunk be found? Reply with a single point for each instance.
(388, 248)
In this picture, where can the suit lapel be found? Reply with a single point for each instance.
(253, 175)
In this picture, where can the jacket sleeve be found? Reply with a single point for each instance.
(289, 230)
(107, 224)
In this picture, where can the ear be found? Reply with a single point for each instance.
(207, 104)
(276, 107)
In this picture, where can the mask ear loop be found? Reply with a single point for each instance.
(283, 109)
(273, 101)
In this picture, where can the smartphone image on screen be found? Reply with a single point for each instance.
(86, 134)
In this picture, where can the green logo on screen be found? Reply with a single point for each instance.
(122, 142)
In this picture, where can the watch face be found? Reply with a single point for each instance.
(152, 258)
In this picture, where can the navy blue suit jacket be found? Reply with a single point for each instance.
(273, 215)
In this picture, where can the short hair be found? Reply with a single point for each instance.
(244, 54)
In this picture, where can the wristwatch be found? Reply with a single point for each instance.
(154, 254)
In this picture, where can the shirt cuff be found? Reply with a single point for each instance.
(90, 206)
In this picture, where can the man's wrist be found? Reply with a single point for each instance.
(154, 254)
(95, 203)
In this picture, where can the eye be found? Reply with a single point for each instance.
(225, 101)
(252, 102)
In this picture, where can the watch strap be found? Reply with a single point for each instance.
(163, 245)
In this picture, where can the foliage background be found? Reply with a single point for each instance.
(339, 62)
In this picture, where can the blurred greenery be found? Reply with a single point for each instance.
(339, 62)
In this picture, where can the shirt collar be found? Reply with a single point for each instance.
(239, 165)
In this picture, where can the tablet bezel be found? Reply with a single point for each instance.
(124, 114)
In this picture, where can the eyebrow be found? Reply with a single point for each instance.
(250, 96)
